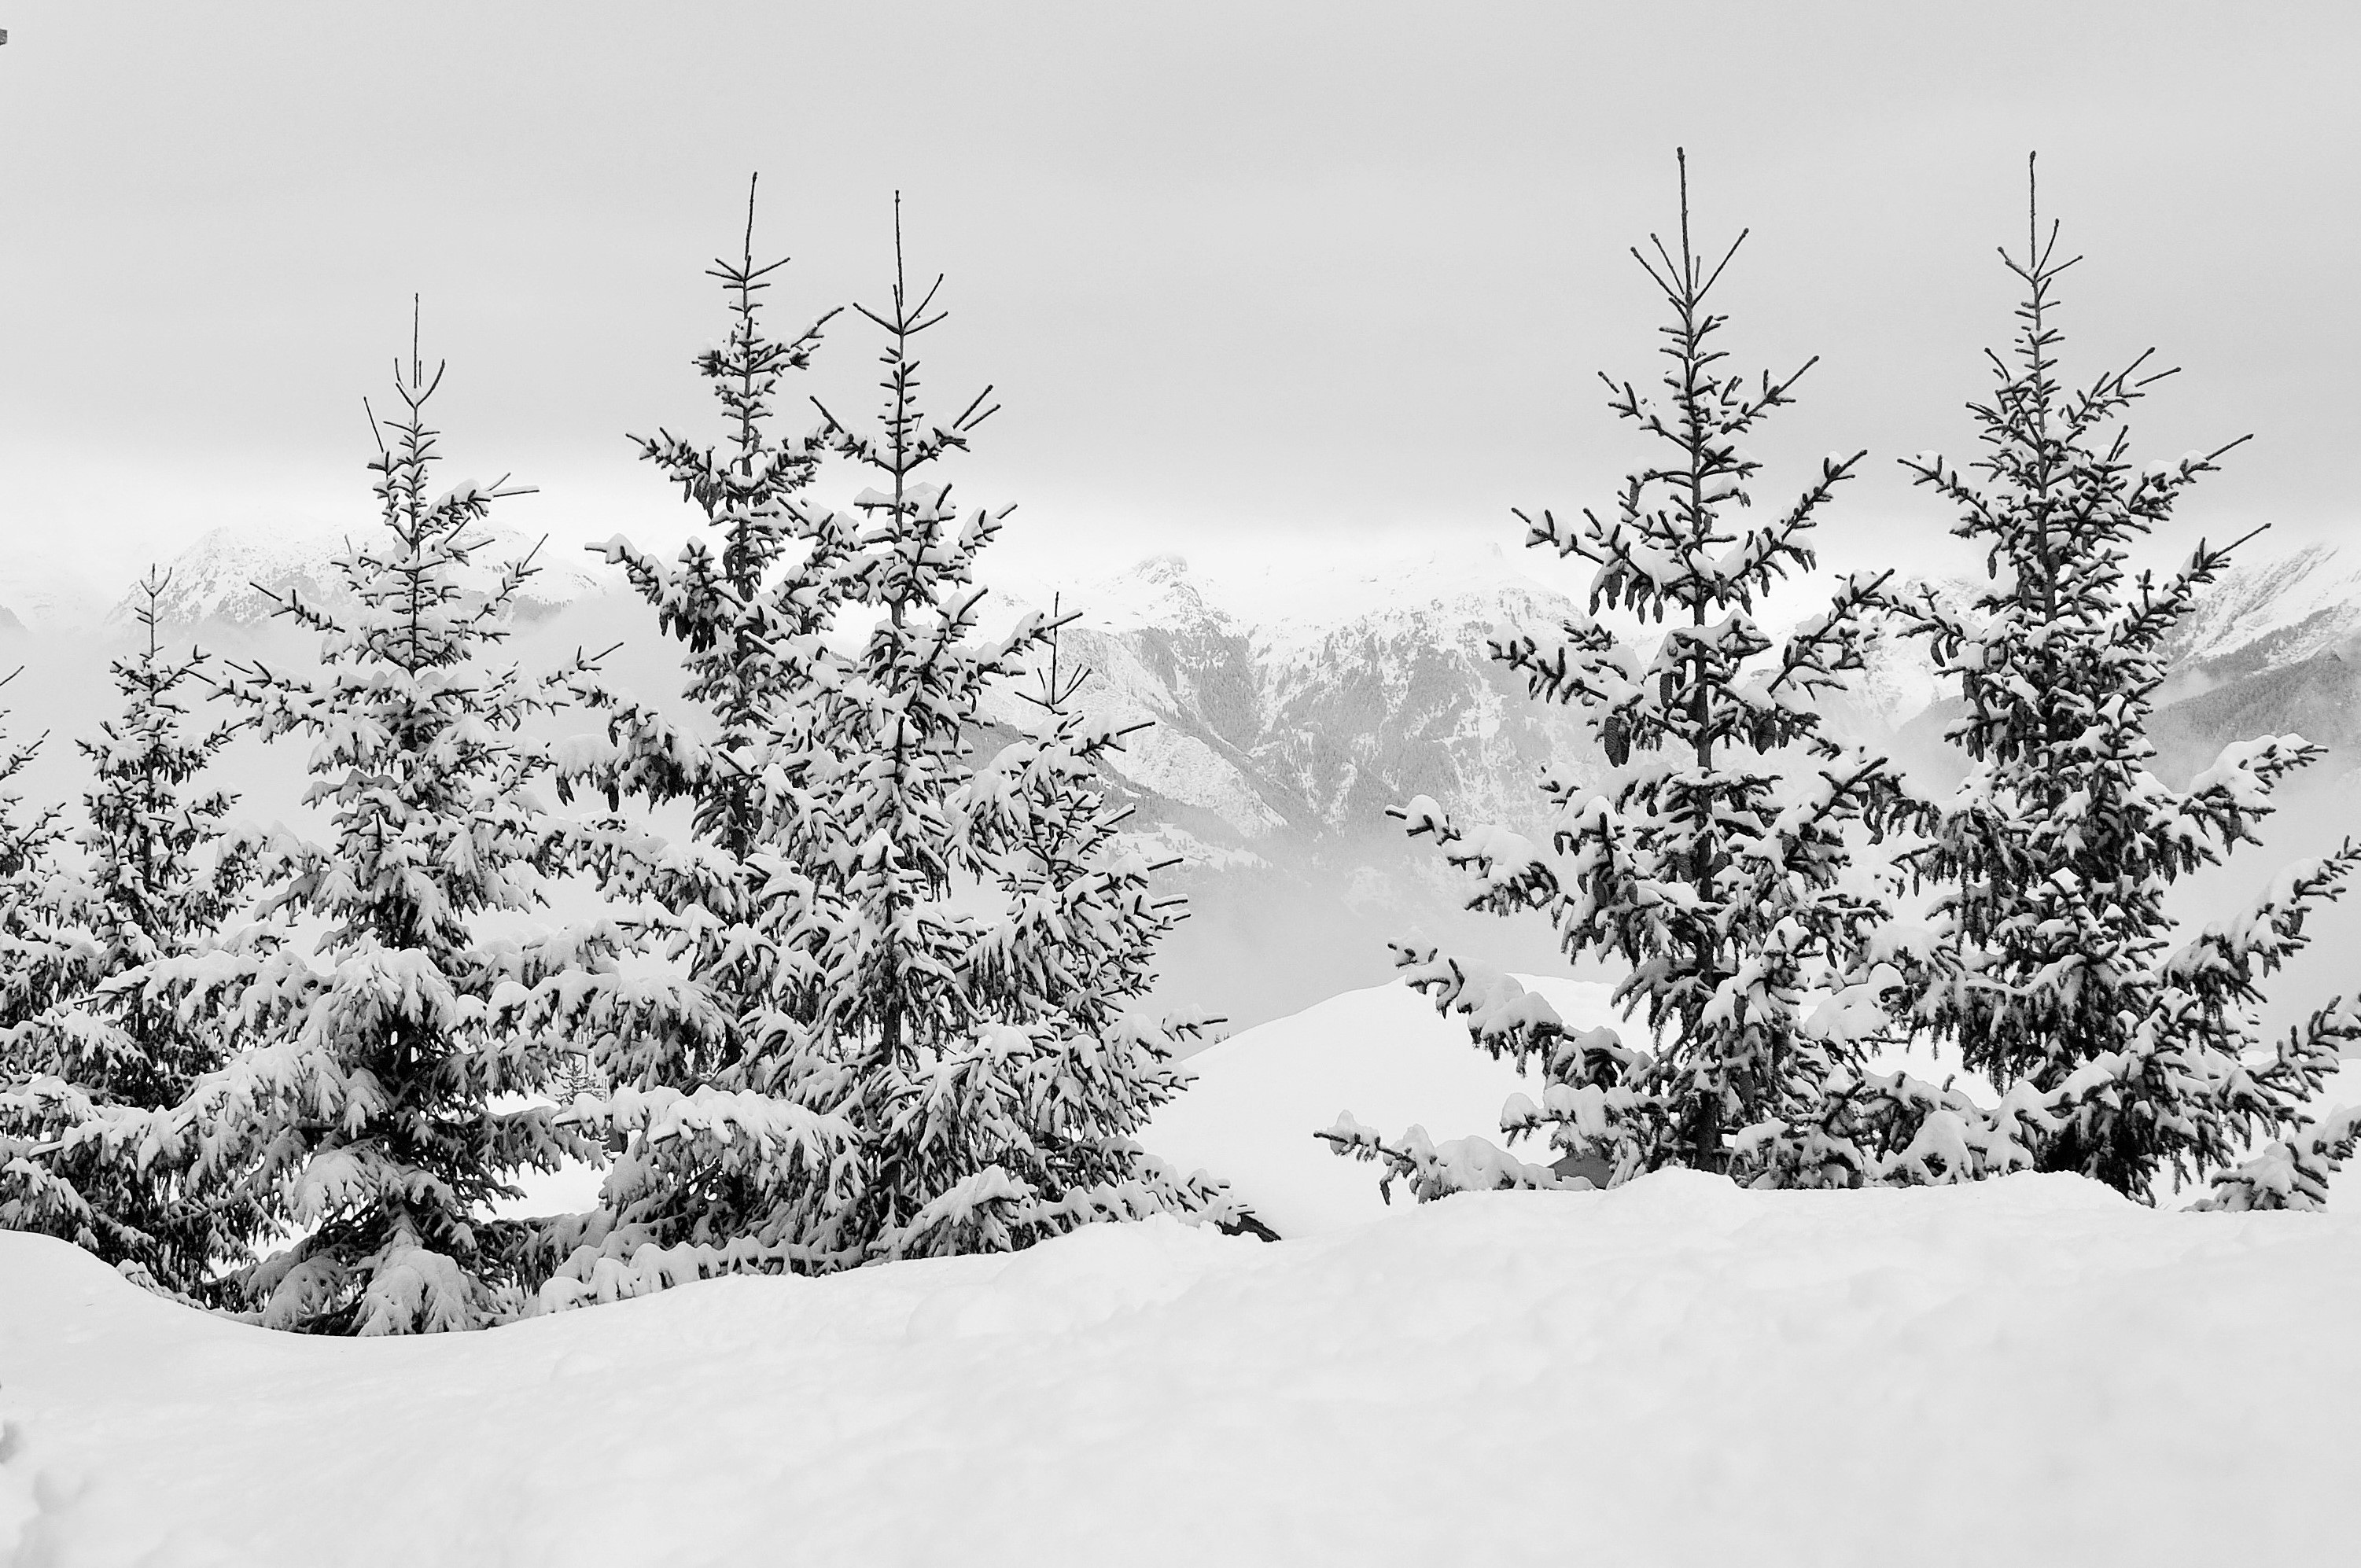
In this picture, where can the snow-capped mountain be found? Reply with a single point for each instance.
(1377, 686)
(1290, 707)
(2269, 611)
(229, 576)
(1288, 713)
(2273, 649)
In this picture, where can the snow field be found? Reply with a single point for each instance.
(1383, 1054)
(1676, 1372)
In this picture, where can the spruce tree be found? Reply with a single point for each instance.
(46, 957)
(1074, 1061)
(992, 1065)
(1716, 859)
(383, 1099)
(717, 1169)
(729, 599)
(43, 955)
(162, 877)
(2054, 970)
(967, 1079)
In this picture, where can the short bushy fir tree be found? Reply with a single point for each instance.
(2054, 968)
(962, 1076)
(383, 1101)
(1715, 860)
(162, 876)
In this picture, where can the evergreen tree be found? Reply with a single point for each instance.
(1716, 860)
(2054, 968)
(968, 1080)
(991, 1066)
(162, 878)
(729, 601)
(1072, 1062)
(45, 956)
(716, 1170)
(383, 1101)
(42, 956)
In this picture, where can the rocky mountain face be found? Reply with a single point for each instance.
(1276, 741)
(2274, 649)
(1286, 722)
(1306, 731)
(2318, 697)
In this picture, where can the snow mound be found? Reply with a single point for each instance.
(1676, 1372)
(1385, 1055)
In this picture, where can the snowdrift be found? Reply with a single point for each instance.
(1383, 1054)
(1676, 1372)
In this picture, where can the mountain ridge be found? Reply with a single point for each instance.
(1292, 707)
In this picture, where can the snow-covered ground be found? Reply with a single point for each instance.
(1383, 1054)
(2032, 1371)
(2029, 1371)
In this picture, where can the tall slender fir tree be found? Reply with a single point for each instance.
(966, 1080)
(993, 1090)
(1067, 959)
(46, 957)
(2055, 969)
(1716, 860)
(718, 1169)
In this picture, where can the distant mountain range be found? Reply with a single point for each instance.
(1289, 713)
(230, 577)
(1309, 726)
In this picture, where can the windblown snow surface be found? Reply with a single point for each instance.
(2029, 1371)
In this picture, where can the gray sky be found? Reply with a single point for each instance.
(1246, 275)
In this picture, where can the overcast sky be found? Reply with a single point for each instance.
(1246, 276)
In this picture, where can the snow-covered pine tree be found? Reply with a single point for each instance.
(42, 956)
(381, 1103)
(2054, 968)
(1076, 1062)
(995, 1065)
(45, 956)
(162, 875)
(968, 1080)
(1716, 861)
(727, 600)
(718, 1169)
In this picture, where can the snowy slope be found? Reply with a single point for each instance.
(2274, 607)
(1675, 1372)
(1383, 1054)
